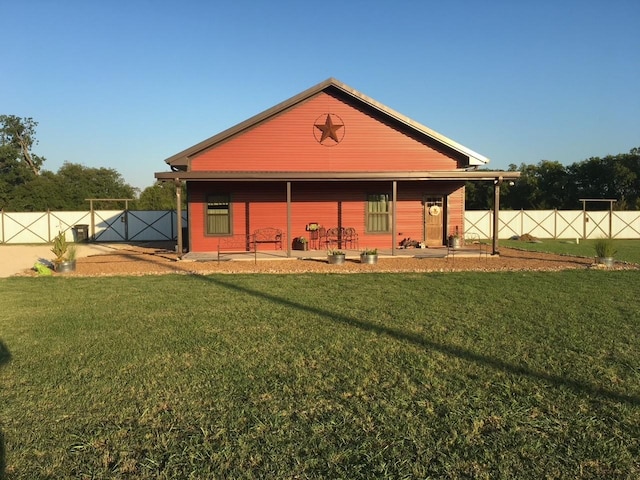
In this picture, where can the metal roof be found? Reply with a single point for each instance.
(454, 175)
(180, 160)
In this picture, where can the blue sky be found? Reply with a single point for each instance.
(125, 84)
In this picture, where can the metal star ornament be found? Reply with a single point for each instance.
(329, 129)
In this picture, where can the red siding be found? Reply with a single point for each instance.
(456, 211)
(286, 142)
(263, 204)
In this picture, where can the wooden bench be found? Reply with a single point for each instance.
(267, 235)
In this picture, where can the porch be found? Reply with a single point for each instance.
(470, 250)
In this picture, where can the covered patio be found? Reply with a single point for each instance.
(481, 249)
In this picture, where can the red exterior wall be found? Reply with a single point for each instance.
(263, 204)
(287, 143)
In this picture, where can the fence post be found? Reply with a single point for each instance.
(521, 222)
(610, 219)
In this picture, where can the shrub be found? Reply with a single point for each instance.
(605, 248)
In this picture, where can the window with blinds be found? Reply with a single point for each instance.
(219, 214)
(378, 213)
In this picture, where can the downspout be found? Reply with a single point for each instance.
(496, 213)
(179, 215)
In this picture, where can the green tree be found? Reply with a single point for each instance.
(79, 183)
(18, 165)
(36, 195)
(20, 134)
(614, 176)
(160, 196)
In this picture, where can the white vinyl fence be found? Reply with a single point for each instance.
(149, 226)
(569, 224)
(99, 225)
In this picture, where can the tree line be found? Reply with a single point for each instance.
(551, 185)
(25, 186)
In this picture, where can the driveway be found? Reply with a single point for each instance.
(17, 258)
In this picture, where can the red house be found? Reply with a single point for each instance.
(329, 157)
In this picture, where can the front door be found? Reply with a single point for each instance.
(434, 221)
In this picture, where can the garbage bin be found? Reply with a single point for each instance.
(80, 233)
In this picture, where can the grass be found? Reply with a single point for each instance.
(448, 375)
(627, 250)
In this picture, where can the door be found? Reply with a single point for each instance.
(434, 221)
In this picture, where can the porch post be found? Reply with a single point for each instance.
(394, 195)
(289, 219)
(179, 215)
(584, 219)
(93, 221)
(496, 213)
(611, 217)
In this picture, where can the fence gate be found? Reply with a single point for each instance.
(108, 221)
(598, 225)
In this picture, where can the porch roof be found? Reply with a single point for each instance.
(441, 175)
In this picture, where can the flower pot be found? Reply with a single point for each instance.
(300, 245)
(454, 242)
(606, 261)
(369, 258)
(65, 267)
(336, 259)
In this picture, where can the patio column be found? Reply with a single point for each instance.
(394, 210)
(289, 242)
(179, 215)
(496, 213)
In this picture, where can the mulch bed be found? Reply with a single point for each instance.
(141, 260)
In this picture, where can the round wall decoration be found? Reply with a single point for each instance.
(434, 210)
(328, 129)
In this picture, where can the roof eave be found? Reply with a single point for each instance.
(455, 175)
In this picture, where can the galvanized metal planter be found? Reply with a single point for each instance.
(370, 259)
(336, 259)
(454, 242)
(606, 261)
(65, 267)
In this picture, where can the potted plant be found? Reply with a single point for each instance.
(455, 240)
(65, 255)
(605, 250)
(300, 243)
(369, 256)
(336, 257)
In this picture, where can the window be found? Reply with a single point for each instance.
(378, 213)
(219, 214)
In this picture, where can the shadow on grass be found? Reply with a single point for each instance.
(5, 357)
(464, 354)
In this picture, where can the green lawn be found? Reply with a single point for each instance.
(628, 250)
(440, 375)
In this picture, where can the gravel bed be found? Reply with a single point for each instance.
(134, 260)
